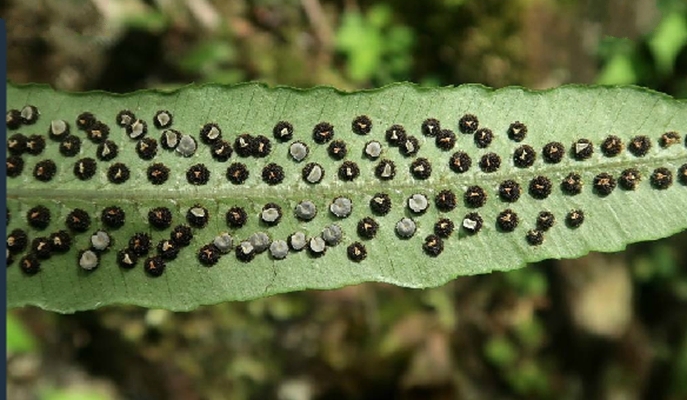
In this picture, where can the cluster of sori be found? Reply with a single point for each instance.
(506, 189)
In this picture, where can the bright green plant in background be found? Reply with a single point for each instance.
(667, 40)
(562, 115)
(653, 59)
(376, 49)
(213, 59)
(19, 340)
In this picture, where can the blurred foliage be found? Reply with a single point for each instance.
(73, 394)
(501, 352)
(504, 336)
(19, 339)
(376, 49)
(213, 59)
(658, 59)
(680, 371)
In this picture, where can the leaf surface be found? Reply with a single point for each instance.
(562, 115)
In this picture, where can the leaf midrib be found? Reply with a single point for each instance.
(291, 190)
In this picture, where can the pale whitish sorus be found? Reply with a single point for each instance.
(214, 193)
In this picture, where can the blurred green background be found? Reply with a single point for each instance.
(606, 326)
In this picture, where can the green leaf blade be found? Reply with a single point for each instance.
(565, 114)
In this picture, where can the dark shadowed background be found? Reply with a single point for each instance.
(606, 326)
